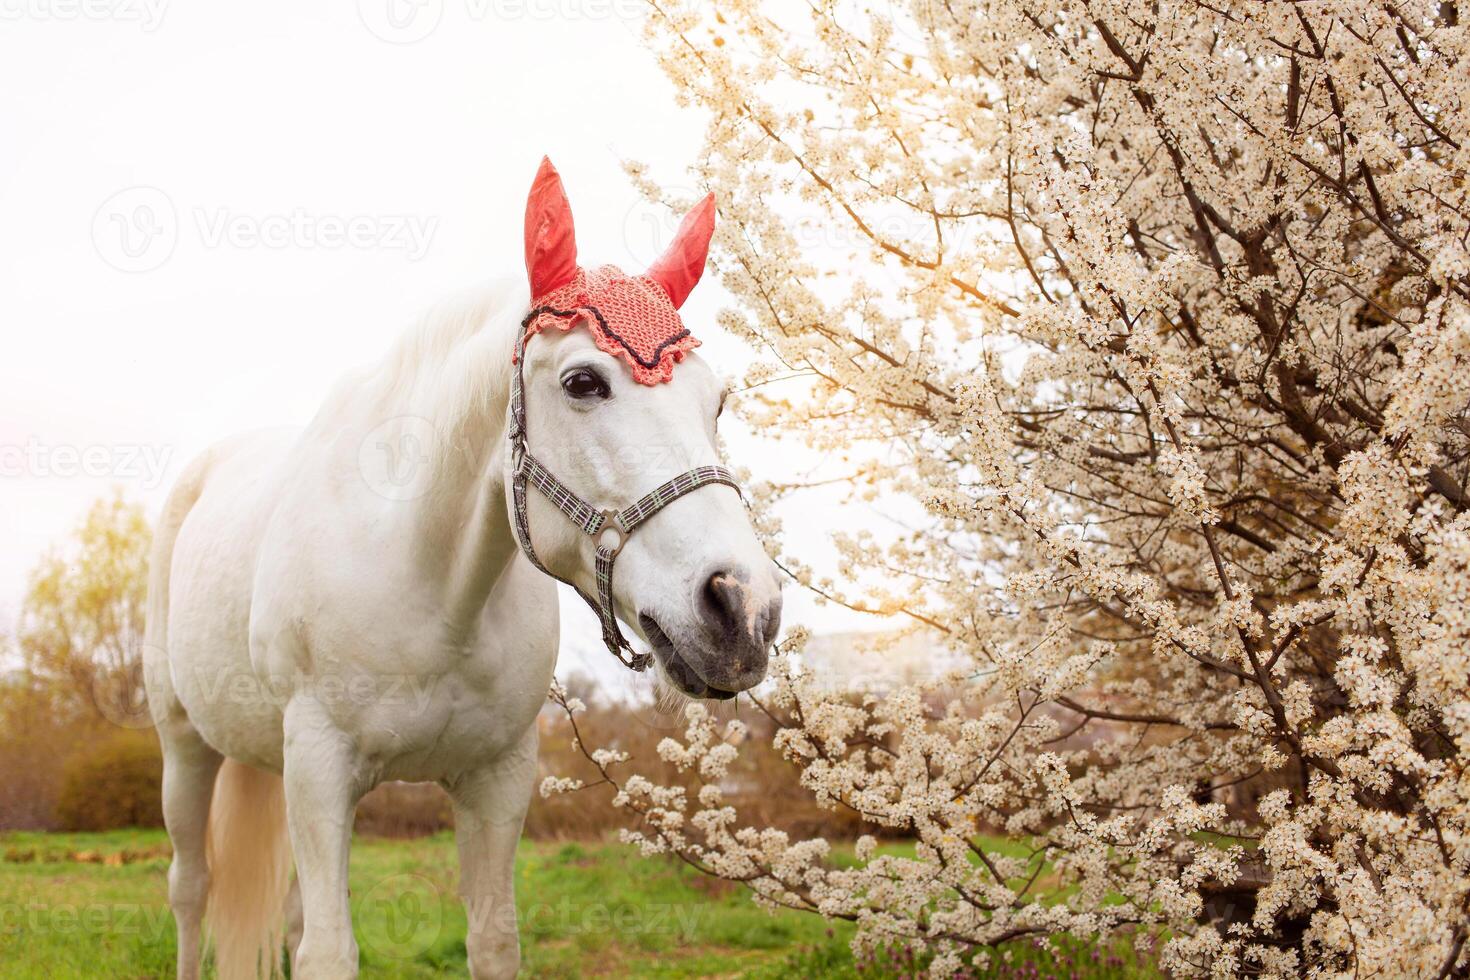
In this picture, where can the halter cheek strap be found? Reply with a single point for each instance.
(595, 523)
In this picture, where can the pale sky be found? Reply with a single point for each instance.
(209, 211)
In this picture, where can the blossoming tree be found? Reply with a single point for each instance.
(1159, 313)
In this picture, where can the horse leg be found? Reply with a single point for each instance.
(323, 785)
(293, 923)
(189, 767)
(489, 809)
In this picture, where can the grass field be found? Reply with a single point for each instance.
(94, 905)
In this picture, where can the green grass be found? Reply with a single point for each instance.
(91, 905)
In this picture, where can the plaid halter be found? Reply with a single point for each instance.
(595, 523)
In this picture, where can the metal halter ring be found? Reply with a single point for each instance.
(612, 522)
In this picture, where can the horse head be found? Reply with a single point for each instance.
(624, 433)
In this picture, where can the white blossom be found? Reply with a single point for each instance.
(1151, 320)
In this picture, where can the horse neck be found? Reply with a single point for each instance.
(454, 373)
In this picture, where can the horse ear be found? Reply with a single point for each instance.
(551, 243)
(680, 267)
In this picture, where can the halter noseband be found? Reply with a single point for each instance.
(592, 521)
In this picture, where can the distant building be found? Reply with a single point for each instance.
(875, 662)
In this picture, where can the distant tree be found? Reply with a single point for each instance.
(34, 744)
(80, 631)
(78, 642)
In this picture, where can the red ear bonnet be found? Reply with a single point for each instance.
(635, 318)
(551, 242)
(679, 268)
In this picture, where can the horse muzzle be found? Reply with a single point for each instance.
(727, 647)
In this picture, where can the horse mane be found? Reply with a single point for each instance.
(451, 367)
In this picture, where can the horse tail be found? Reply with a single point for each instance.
(249, 871)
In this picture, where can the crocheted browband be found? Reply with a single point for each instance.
(635, 318)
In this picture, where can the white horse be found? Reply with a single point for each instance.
(346, 604)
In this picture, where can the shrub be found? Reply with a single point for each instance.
(404, 810)
(115, 782)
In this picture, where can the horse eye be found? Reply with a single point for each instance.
(584, 383)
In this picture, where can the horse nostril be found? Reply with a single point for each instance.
(736, 614)
(724, 602)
